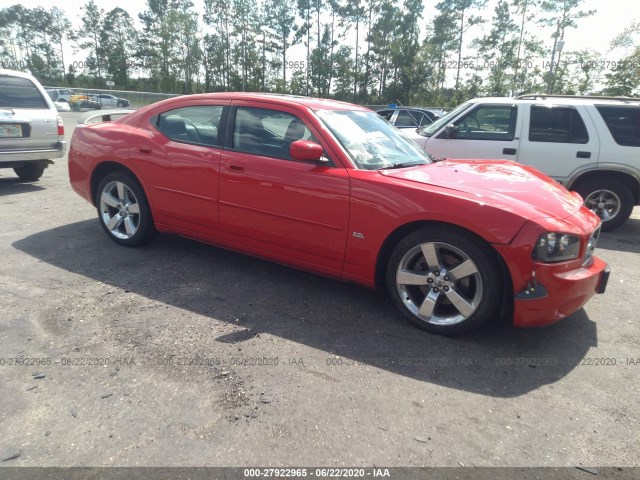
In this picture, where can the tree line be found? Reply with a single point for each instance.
(371, 52)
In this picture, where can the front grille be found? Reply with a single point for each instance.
(591, 246)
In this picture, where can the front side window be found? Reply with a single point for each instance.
(488, 122)
(199, 125)
(17, 92)
(557, 125)
(623, 122)
(408, 119)
(267, 132)
(371, 142)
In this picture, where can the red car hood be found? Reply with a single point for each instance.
(498, 182)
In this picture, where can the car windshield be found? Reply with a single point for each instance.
(444, 120)
(370, 141)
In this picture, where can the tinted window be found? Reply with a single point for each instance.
(386, 114)
(200, 125)
(408, 119)
(557, 125)
(489, 122)
(267, 132)
(623, 123)
(20, 93)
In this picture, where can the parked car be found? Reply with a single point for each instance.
(31, 131)
(332, 188)
(62, 106)
(109, 101)
(60, 94)
(409, 117)
(589, 144)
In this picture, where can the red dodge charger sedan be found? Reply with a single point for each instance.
(331, 188)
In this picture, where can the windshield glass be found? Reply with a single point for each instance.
(442, 121)
(370, 141)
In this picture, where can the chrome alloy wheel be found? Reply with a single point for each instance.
(119, 210)
(604, 203)
(439, 283)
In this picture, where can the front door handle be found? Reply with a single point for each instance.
(583, 155)
(236, 168)
(509, 151)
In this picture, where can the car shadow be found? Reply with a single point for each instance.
(354, 323)
(14, 186)
(625, 238)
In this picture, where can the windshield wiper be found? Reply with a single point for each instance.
(401, 165)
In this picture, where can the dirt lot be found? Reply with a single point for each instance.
(182, 354)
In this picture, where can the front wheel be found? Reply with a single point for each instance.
(30, 172)
(444, 280)
(608, 198)
(123, 210)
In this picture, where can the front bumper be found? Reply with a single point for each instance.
(29, 155)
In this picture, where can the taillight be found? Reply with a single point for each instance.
(60, 127)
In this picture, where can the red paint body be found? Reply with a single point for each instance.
(307, 214)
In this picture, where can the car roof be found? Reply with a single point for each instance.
(16, 73)
(281, 99)
(559, 100)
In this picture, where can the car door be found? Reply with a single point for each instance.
(558, 139)
(485, 131)
(295, 211)
(181, 162)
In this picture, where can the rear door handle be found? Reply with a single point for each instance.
(509, 151)
(583, 155)
(145, 150)
(236, 168)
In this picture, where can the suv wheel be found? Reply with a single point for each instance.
(30, 172)
(608, 198)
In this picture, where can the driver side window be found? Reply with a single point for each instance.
(488, 122)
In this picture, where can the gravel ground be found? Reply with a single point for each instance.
(183, 354)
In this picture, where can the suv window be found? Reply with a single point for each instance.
(267, 132)
(16, 92)
(557, 125)
(199, 125)
(623, 122)
(489, 122)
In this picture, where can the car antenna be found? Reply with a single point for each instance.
(415, 122)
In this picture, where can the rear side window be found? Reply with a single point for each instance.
(557, 125)
(623, 123)
(16, 92)
(199, 125)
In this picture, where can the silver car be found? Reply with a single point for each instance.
(31, 131)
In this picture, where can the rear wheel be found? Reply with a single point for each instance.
(30, 172)
(444, 280)
(608, 198)
(123, 210)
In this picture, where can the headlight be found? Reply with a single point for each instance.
(556, 247)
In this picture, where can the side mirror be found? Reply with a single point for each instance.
(451, 131)
(306, 151)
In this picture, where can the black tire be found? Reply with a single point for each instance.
(30, 172)
(127, 207)
(477, 292)
(121, 104)
(608, 198)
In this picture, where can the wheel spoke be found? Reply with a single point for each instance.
(134, 208)
(115, 222)
(110, 200)
(431, 256)
(463, 270)
(121, 192)
(464, 307)
(429, 305)
(129, 226)
(407, 277)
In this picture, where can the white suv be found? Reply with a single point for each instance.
(31, 131)
(589, 144)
